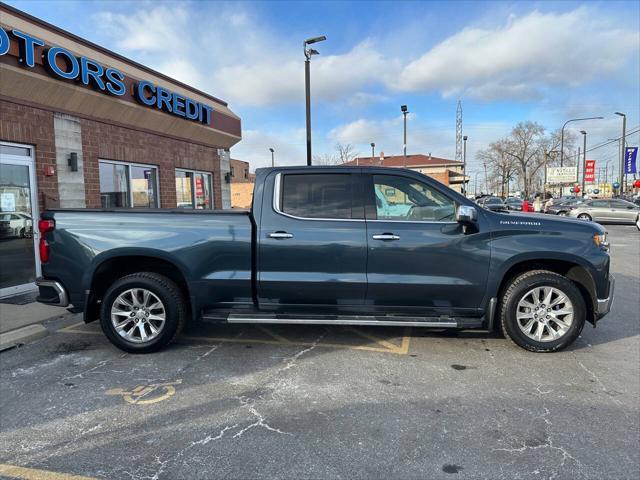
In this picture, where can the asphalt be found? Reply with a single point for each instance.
(330, 402)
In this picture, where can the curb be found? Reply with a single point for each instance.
(20, 336)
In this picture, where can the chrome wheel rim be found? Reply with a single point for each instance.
(544, 314)
(138, 315)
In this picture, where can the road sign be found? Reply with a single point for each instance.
(590, 171)
(562, 174)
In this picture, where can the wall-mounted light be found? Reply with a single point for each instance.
(227, 177)
(73, 161)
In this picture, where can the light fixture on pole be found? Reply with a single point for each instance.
(404, 110)
(464, 165)
(308, 52)
(273, 163)
(373, 152)
(562, 134)
(622, 150)
(584, 158)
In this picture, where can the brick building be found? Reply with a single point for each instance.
(242, 183)
(448, 172)
(83, 127)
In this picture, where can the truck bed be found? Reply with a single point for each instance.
(212, 249)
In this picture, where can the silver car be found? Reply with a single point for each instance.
(608, 210)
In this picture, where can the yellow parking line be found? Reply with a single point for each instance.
(406, 340)
(35, 474)
(385, 346)
(373, 338)
(272, 334)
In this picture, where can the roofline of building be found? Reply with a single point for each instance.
(106, 51)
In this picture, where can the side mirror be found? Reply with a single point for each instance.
(466, 214)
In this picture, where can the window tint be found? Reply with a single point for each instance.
(317, 195)
(600, 204)
(620, 204)
(114, 185)
(402, 198)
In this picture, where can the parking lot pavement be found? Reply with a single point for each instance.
(312, 402)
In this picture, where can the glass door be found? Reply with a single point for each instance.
(19, 262)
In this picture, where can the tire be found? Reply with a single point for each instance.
(638, 222)
(561, 212)
(164, 300)
(520, 290)
(584, 216)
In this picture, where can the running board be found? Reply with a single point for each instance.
(381, 320)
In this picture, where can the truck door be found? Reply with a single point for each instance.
(312, 239)
(419, 257)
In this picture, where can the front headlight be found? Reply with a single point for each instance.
(600, 239)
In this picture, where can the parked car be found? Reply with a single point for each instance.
(513, 203)
(20, 224)
(315, 249)
(494, 204)
(612, 210)
(565, 207)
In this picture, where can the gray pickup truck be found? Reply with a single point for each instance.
(329, 245)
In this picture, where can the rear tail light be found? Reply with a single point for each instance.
(45, 226)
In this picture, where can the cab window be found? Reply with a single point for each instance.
(405, 199)
(325, 196)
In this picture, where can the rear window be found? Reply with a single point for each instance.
(317, 195)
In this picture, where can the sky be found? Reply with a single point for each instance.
(506, 61)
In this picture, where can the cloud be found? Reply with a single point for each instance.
(517, 59)
(289, 148)
(281, 80)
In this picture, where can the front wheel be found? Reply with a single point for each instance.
(542, 311)
(142, 312)
(584, 216)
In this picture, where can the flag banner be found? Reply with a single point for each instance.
(590, 171)
(630, 158)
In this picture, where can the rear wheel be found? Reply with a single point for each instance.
(638, 222)
(542, 311)
(584, 216)
(142, 312)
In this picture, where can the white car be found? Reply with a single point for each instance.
(21, 224)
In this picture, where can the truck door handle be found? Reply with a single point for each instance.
(280, 235)
(386, 237)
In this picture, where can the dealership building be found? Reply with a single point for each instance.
(84, 127)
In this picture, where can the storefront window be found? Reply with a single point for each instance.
(143, 182)
(184, 192)
(127, 185)
(193, 190)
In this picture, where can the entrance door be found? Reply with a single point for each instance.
(19, 262)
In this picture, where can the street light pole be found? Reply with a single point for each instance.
(273, 163)
(584, 158)
(562, 134)
(404, 110)
(623, 176)
(373, 152)
(308, 52)
(464, 165)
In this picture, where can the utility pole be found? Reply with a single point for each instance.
(584, 158)
(308, 52)
(464, 165)
(373, 152)
(623, 175)
(459, 132)
(404, 110)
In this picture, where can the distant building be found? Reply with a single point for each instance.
(241, 182)
(448, 172)
(240, 172)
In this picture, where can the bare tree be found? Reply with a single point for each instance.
(525, 144)
(346, 152)
(326, 159)
(503, 167)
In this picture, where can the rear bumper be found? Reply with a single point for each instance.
(603, 306)
(51, 292)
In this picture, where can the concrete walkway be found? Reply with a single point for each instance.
(20, 324)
